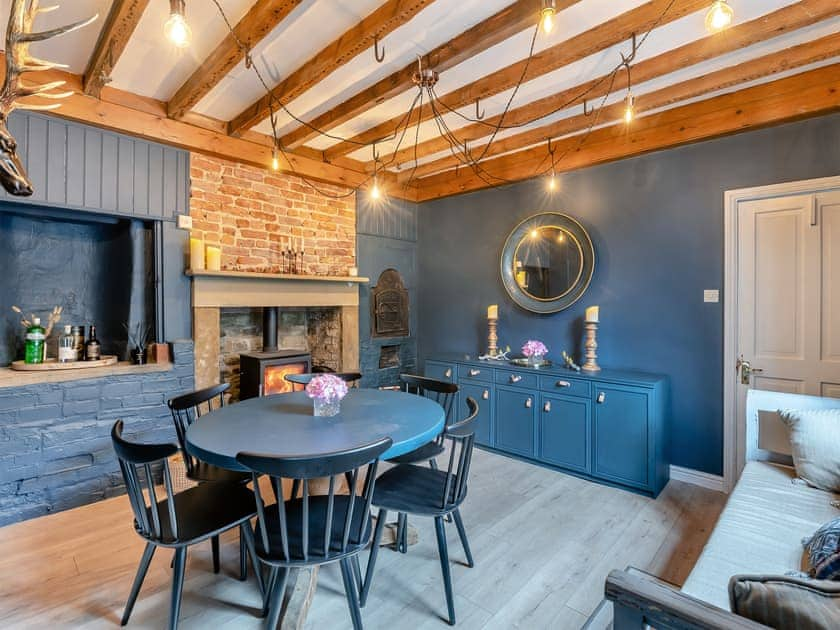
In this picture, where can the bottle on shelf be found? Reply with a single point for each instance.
(36, 338)
(93, 350)
(79, 342)
(67, 346)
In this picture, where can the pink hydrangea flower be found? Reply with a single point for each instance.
(533, 347)
(326, 388)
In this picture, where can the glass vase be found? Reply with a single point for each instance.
(325, 408)
(536, 360)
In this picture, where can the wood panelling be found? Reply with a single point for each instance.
(261, 18)
(84, 168)
(807, 94)
(392, 219)
(385, 19)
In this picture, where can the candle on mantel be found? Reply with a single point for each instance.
(493, 311)
(214, 258)
(592, 314)
(196, 254)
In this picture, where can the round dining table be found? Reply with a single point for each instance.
(284, 425)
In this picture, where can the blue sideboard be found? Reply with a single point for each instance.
(609, 426)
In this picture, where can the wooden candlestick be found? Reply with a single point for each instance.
(590, 346)
(492, 337)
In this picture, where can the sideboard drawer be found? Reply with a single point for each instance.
(441, 371)
(565, 386)
(476, 373)
(517, 379)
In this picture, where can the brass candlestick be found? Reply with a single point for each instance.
(492, 337)
(590, 346)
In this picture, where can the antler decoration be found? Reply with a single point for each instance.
(19, 36)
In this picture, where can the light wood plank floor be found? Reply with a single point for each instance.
(543, 543)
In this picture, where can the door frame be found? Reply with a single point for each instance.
(734, 435)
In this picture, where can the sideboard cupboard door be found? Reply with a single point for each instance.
(482, 393)
(441, 371)
(515, 420)
(621, 434)
(564, 435)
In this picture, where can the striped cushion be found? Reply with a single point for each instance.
(786, 602)
(815, 443)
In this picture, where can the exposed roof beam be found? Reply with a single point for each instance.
(767, 65)
(385, 19)
(599, 38)
(804, 95)
(784, 20)
(508, 22)
(120, 24)
(260, 20)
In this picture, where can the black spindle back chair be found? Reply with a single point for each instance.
(411, 489)
(442, 392)
(307, 529)
(176, 520)
(186, 409)
(350, 378)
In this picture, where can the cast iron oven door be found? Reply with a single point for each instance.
(389, 306)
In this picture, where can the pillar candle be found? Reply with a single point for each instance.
(214, 258)
(196, 254)
(592, 314)
(493, 311)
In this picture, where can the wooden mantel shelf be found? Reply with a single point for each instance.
(253, 275)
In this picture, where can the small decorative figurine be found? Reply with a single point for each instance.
(570, 362)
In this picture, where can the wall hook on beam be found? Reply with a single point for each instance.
(627, 60)
(378, 53)
(551, 149)
(587, 111)
(375, 153)
(478, 116)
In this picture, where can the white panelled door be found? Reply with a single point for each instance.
(789, 295)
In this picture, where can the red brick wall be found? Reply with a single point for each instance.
(249, 211)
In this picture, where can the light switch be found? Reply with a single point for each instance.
(184, 222)
(711, 295)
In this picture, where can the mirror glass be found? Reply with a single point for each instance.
(548, 262)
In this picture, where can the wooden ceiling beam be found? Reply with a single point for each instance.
(811, 93)
(258, 22)
(384, 20)
(119, 26)
(605, 35)
(784, 20)
(767, 65)
(508, 22)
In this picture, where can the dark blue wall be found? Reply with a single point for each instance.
(657, 225)
(386, 238)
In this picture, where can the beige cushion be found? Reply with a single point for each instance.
(760, 530)
(815, 444)
(785, 602)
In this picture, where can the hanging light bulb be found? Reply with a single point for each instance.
(176, 28)
(719, 16)
(549, 10)
(629, 107)
(552, 181)
(375, 192)
(275, 160)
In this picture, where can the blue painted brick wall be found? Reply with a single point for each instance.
(55, 445)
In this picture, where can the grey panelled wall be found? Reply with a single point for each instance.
(79, 167)
(85, 168)
(386, 238)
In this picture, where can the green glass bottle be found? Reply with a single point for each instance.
(35, 339)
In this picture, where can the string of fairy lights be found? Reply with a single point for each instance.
(719, 16)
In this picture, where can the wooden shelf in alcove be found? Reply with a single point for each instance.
(255, 275)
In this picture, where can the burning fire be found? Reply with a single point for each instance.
(275, 378)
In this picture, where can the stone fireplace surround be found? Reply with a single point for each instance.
(214, 291)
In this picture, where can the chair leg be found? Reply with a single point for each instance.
(177, 586)
(243, 555)
(269, 587)
(444, 565)
(462, 533)
(214, 542)
(401, 538)
(357, 573)
(145, 561)
(247, 534)
(374, 549)
(433, 464)
(352, 593)
(275, 606)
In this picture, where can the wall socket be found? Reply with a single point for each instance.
(711, 295)
(184, 222)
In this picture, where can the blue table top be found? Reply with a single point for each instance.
(283, 425)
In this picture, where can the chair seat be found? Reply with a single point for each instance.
(421, 454)
(205, 510)
(317, 527)
(412, 489)
(202, 471)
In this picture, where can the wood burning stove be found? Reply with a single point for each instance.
(263, 373)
